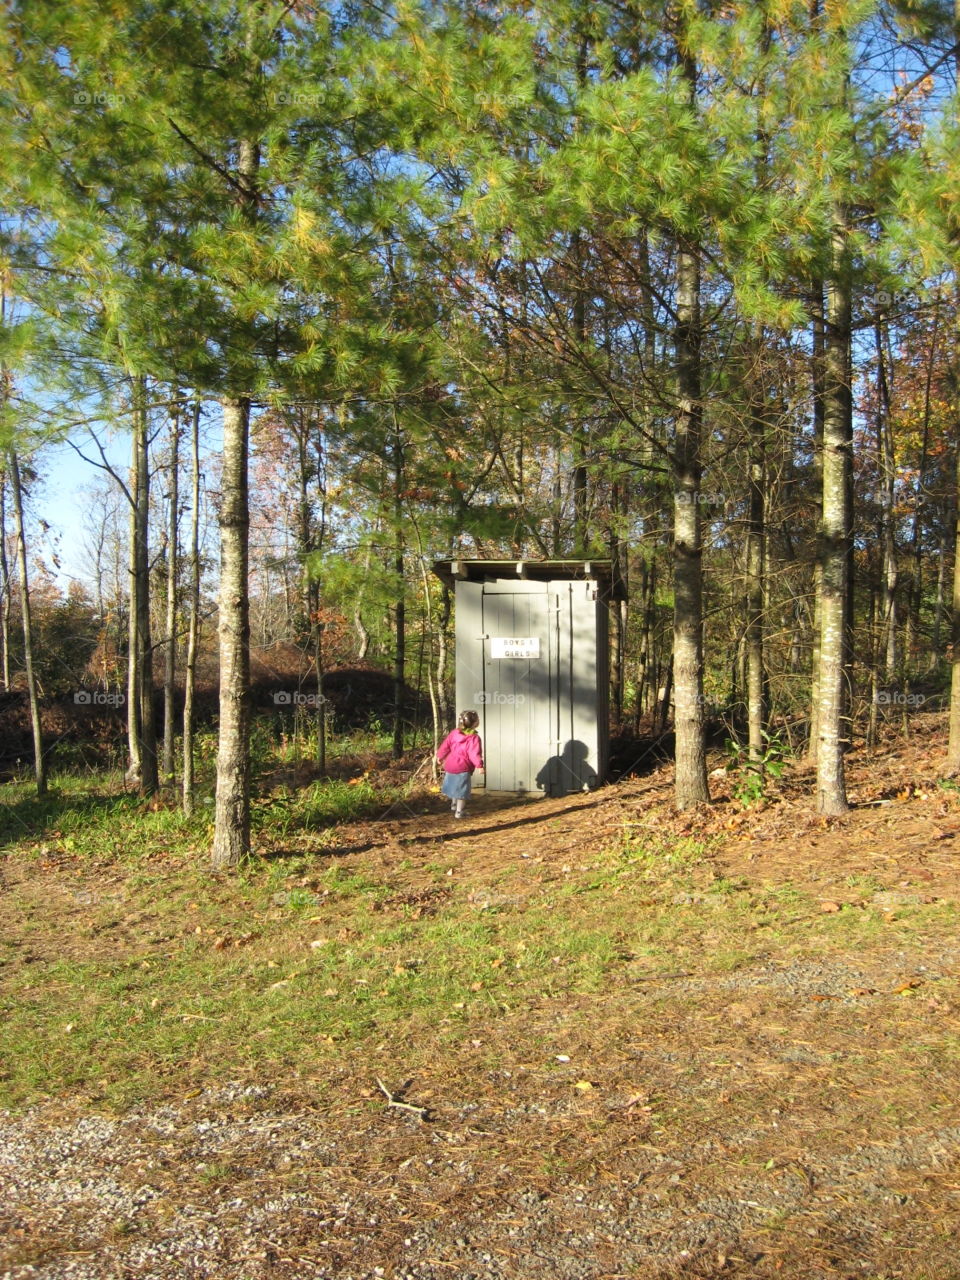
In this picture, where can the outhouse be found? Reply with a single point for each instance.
(532, 645)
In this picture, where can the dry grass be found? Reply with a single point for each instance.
(648, 1044)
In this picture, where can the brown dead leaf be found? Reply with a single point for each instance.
(829, 907)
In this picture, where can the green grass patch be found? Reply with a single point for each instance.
(129, 972)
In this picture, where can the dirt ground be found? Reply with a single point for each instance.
(793, 1113)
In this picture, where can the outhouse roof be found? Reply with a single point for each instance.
(600, 571)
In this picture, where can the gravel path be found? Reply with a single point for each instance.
(238, 1183)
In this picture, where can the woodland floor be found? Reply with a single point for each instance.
(630, 1043)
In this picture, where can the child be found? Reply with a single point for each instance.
(463, 752)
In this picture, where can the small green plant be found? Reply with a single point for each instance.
(753, 774)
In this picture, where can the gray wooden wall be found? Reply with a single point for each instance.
(543, 719)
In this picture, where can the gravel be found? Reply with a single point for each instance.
(233, 1185)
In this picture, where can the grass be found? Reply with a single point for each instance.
(164, 973)
(559, 986)
(186, 996)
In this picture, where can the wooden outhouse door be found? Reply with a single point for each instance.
(518, 679)
(527, 660)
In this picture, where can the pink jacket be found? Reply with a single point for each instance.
(461, 752)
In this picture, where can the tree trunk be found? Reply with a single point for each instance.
(443, 645)
(618, 631)
(942, 564)
(231, 838)
(647, 661)
(818, 356)
(4, 585)
(835, 536)
(875, 634)
(39, 759)
(953, 745)
(427, 636)
(755, 679)
(149, 773)
(580, 496)
(134, 736)
(170, 666)
(690, 787)
(193, 631)
(231, 833)
(664, 694)
(399, 662)
(887, 463)
(358, 622)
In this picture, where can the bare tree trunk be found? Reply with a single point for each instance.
(358, 622)
(443, 644)
(438, 726)
(231, 838)
(4, 584)
(755, 676)
(912, 637)
(618, 631)
(399, 663)
(818, 356)
(835, 535)
(149, 773)
(953, 745)
(690, 779)
(231, 834)
(170, 668)
(887, 461)
(664, 694)
(942, 563)
(39, 759)
(874, 632)
(193, 631)
(647, 661)
(134, 734)
(580, 495)
(690, 786)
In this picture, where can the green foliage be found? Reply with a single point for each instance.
(752, 774)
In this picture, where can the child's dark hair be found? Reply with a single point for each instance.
(467, 720)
